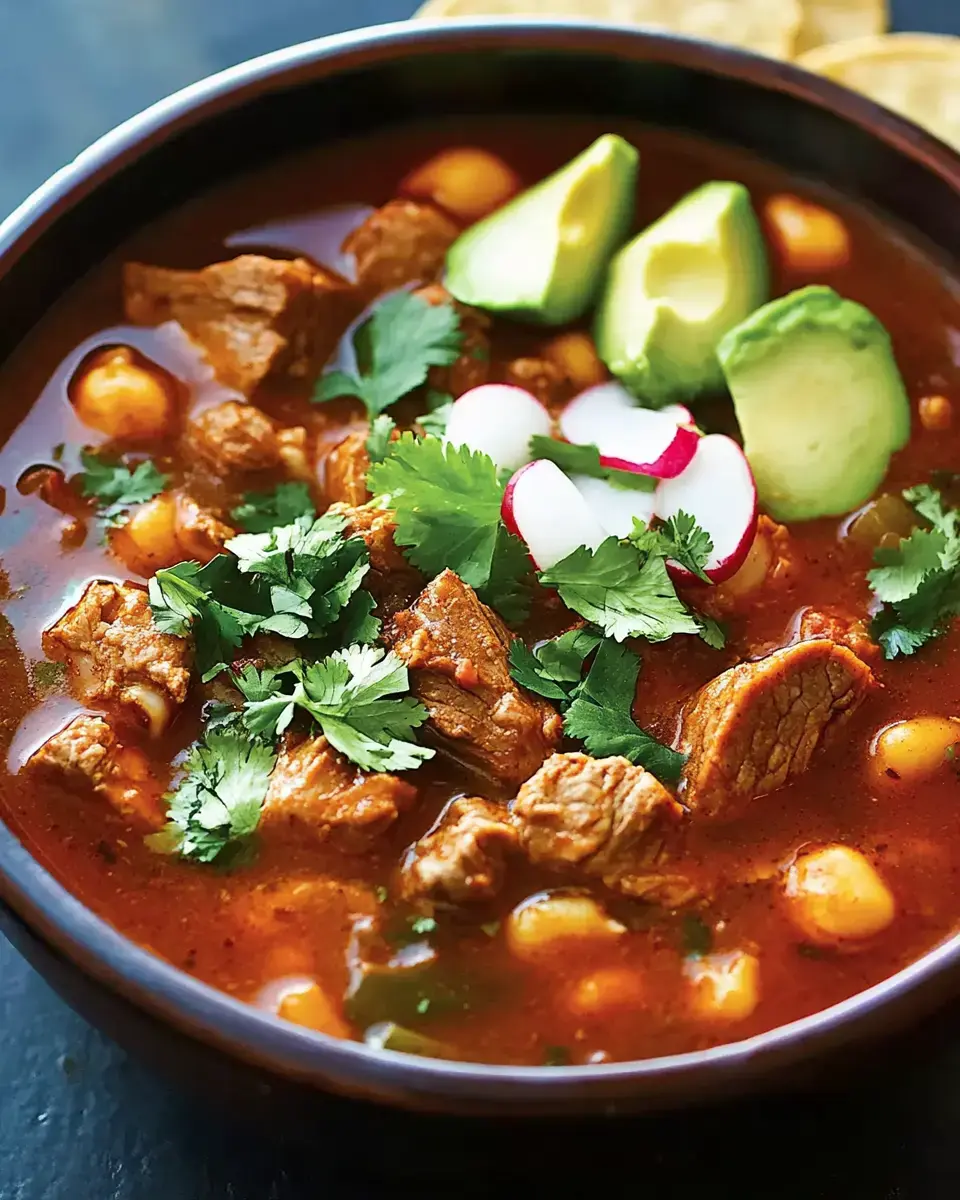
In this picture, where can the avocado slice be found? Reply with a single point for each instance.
(674, 291)
(541, 257)
(820, 401)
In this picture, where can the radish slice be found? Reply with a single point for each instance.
(498, 420)
(615, 508)
(679, 413)
(544, 509)
(641, 440)
(718, 490)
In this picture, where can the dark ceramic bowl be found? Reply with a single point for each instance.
(349, 84)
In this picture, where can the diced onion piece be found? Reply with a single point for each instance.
(547, 512)
(499, 420)
(718, 491)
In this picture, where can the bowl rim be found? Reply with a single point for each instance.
(213, 1016)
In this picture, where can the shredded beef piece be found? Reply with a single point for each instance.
(605, 817)
(456, 649)
(757, 724)
(403, 242)
(253, 315)
(317, 790)
(472, 368)
(86, 755)
(462, 857)
(233, 437)
(117, 654)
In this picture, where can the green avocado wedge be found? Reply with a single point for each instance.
(820, 401)
(541, 257)
(673, 292)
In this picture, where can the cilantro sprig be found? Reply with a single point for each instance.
(446, 502)
(918, 581)
(116, 487)
(597, 708)
(395, 348)
(358, 697)
(262, 511)
(576, 459)
(213, 813)
(301, 580)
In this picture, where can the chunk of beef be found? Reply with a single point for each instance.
(462, 857)
(472, 368)
(345, 470)
(605, 817)
(233, 437)
(839, 627)
(403, 242)
(199, 530)
(86, 756)
(542, 378)
(253, 316)
(391, 580)
(757, 725)
(315, 789)
(456, 649)
(117, 655)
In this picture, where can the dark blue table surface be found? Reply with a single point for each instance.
(78, 1119)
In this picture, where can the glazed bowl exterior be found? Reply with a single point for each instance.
(347, 85)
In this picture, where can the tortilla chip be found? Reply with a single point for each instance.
(826, 21)
(917, 75)
(767, 26)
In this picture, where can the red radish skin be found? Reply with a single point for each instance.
(544, 509)
(640, 440)
(717, 489)
(499, 420)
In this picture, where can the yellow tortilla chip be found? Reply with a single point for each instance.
(826, 21)
(917, 75)
(767, 26)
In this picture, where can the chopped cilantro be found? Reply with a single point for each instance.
(446, 502)
(622, 588)
(263, 511)
(600, 715)
(116, 488)
(358, 697)
(57, 451)
(395, 347)
(491, 928)
(918, 581)
(556, 1056)
(423, 1005)
(382, 894)
(378, 439)
(439, 407)
(48, 676)
(585, 460)
(686, 543)
(214, 811)
(553, 668)
(423, 925)
(696, 935)
(298, 580)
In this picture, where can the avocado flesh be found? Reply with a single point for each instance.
(820, 402)
(676, 289)
(541, 257)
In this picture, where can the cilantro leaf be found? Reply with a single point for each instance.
(395, 347)
(446, 503)
(116, 487)
(683, 540)
(584, 459)
(378, 439)
(918, 581)
(507, 589)
(600, 715)
(553, 668)
(215, 810)
(262, 511)
(621, 589)
(434, 420)
(359, 698)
